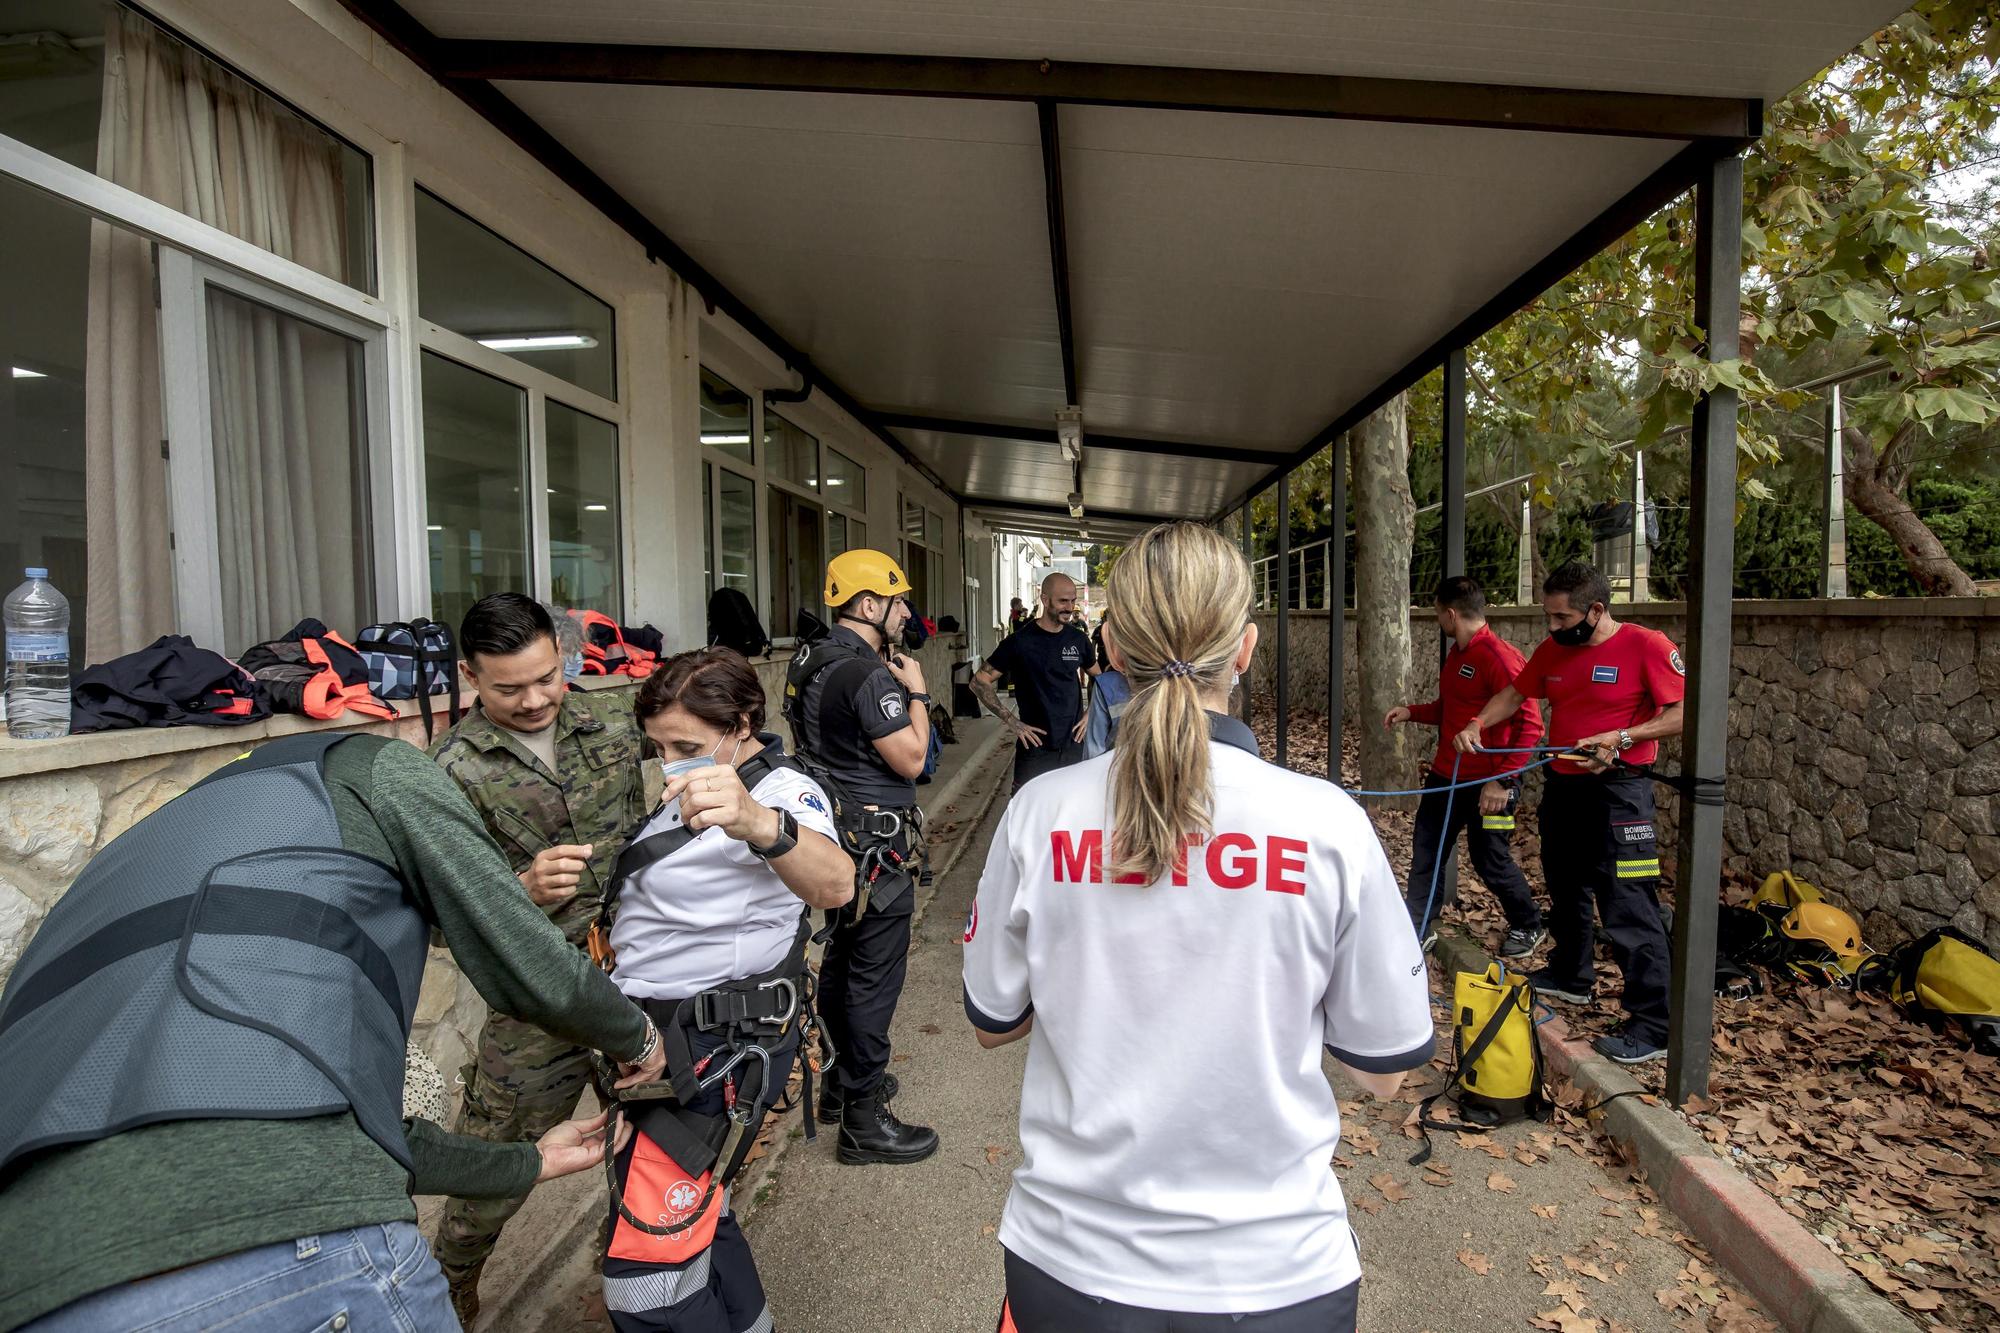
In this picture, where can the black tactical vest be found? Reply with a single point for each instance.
(224, 958)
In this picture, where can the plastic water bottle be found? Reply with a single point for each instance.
(569, 640)
(37, 659)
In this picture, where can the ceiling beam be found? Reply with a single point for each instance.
(1162, 87)
(1052, 194)
(1673, 178)
(1226, 453)
(401, 30)
(1091, 513)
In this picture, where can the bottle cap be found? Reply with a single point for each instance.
(36, 573)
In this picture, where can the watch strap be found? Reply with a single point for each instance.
(788, 838)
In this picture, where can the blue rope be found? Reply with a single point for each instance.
(1451, 789)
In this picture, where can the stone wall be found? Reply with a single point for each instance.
(1864, 746)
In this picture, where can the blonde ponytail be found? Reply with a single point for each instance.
(1180, 597)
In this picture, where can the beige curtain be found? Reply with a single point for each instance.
(186, 133)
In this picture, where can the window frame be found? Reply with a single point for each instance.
(186, 419)
(541, 386)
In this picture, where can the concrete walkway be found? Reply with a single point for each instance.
(912, 1249)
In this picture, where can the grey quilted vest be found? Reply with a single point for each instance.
(223, 958)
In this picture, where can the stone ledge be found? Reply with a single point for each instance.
(22, 758)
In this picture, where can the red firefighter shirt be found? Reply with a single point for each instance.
(1470, 676)
(1619, 683)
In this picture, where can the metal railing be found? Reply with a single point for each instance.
(1635, 584)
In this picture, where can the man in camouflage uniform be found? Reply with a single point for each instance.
(557, 778)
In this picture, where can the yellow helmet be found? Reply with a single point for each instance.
(852, 573)
(1826, 924)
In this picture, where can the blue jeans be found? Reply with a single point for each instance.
(373, 1277)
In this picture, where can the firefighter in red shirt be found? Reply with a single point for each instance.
(1479, 665)
(1617, 691)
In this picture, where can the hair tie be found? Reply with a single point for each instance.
(1176, 667)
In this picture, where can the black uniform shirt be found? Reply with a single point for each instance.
(1043, 667)
(855, 708)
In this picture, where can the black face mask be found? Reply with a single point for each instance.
(1577, 635)
(914, 633)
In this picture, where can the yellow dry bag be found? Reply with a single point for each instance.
(1498, 1078)
(1947, 975)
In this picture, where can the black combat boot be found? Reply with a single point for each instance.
(870, 1132)
(829, 1097)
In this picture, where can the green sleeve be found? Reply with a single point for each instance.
(468, 1168)
(515, 958)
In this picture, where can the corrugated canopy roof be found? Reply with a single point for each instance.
(1223, 230)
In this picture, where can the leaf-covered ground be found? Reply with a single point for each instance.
(1881, 1136)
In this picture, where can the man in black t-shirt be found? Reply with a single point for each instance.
(1046, 659)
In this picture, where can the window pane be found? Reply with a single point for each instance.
(913, 519)
(846, 481)
(475, 469)
(473, 282)
(80, 379)
(915, 565)
(583, 512)
(796, 567)
(836, 534)
(291, 472)
(934, 530)
(725, 417)
(736, 555)
(857, 535)
(789, 452)
(191, 134)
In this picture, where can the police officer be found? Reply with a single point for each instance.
(861, 721)
(1046, 659)
(1617, 690)
(1184, 932)
(555, 775)
(201, 1123)
(1479, 665)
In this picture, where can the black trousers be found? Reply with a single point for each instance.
(1487, 838)
(1058, 751)
(860, 980)
(1600, 849)
(1037, 1303)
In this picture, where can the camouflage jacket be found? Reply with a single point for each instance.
(596, 796)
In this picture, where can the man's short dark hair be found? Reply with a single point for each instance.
(501, 624)
(1581, 582)
(1459, 593)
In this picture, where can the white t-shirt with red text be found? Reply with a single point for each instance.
(1177, 1127)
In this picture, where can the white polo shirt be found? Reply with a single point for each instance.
(712, 912)
(1176, 1125)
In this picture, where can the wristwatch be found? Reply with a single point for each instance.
(1624, 740)
(788, 838)
(920, 698)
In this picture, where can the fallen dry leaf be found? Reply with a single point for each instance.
(1478, 1263)
(993, 1151)
(1499, 1183)
(1392, 1190)
(1547, 1210)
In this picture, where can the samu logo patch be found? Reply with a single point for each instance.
(811, 801)
(1604, 675)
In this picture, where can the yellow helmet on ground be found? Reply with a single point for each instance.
(852, 573)
(1823, 923)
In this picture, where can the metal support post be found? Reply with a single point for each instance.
(1282, 731)
(1833, 544)
(1642, 550)
(1336, 609)
(1524, 575)
(1453, 503)
(1711, 541)
(1249, 552)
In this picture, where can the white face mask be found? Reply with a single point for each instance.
(670, 771)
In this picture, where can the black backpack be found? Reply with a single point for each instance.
(733, 623)
(402, 653)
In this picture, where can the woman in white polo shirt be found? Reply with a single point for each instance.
(1184, 928)
(717, 912)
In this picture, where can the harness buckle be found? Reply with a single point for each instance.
(791, 1002)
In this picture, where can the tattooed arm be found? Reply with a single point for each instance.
(986, 689)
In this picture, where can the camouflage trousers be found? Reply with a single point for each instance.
(524, 1083)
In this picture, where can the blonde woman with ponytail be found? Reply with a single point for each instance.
(1183, 931)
